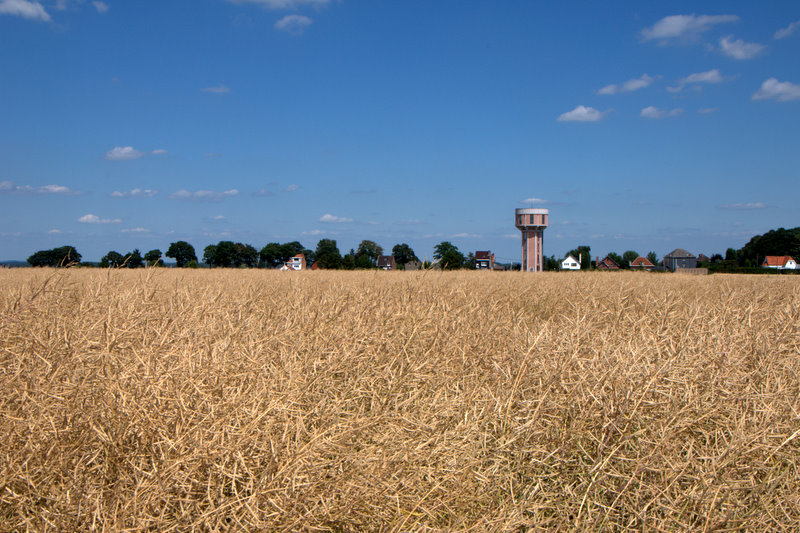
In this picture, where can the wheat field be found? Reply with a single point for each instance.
(217, 400)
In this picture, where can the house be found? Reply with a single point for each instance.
(607, 264)
(387, 262)
(570, 263)
(780, 262)
(484, 260)
(641, 263)
(412, 265)
(703, 258)
(679, 258)
(297, 262)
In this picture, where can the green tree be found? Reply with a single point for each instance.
(615, 257)
(448, 255)
(371, 251)
(327, 254)
(182, 252)
(469, 262)
(112, 259)
(652, 257)
(551, 263)
(774, 242)
(349, 260)
(291, 249)
(223, 254)
(271, 255)
(628, 257)
(134, 259)
(403, 254)
(63, 256)
(246, 255)
(153, 258)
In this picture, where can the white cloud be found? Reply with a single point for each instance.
(628, 86)
(219, 218)
(11, 187)
(220, 89)
(327, 217)
(787, 31)
(739, 49)
(291, 188)
(135, 230)
(582, 114)
(707, 110)
(159, 151)
(283, 4)
(294, 24)
(101, 7)
(709, 76)
(677, 27)
(467, 236)
(25, 9)
(123, 153)
(55, 232)
(94, 219)
(136, 193)
(654, 112)
(772, 89)
(183, 194)
(744, 207)
(318, 232)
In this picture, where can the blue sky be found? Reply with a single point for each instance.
(644, 126)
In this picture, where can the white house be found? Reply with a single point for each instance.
(570, 263)
(781, 262)
(297, 262)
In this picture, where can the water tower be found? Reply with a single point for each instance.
(532, 223)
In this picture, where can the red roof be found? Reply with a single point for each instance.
(607, 264)
(641, 262)
(777, 260)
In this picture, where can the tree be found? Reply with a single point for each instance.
(327, 254)
(371, 251)
(271, 255)
(628, 257)
(134, 259)
(63, 256)
(246, 255)
(182, 252)
(469, 261)
(551, 263)
(448, 255)
(223, 254)
(615, 257)
(291, 249)
(652, 257)
(349, 260)
(112, 259)
(153, 258)
(774, 242)
(403, 254)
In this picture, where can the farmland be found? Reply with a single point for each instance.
(169, 399)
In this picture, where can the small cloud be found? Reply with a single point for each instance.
(582, 114)
(654, 112)
(628, 86)
(283, 4)
(219, 218)
(220, 89)
(683, 27)
(782, 91)
(535, 201)
(11, 187)
(787, 31)
(269, 192)
(101, 7)
(710, 76)
(25, 9)
(318, 232)
(135, 193)
(294, 24)
(159, 151)
(291, 188)
(739, 49)
(123, 153)
(183, 194)
(467, 236)
(334, 219)
(94, 219)
(55, 232)
(707, 110)
(135, 230)
(744, 207)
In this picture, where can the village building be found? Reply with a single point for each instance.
(387, 262)
(779, 262)
(484, 260)
(641, 263)
(298, 262)
(679, 259)
(606, 264)
(570, 263)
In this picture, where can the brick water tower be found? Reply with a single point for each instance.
(532, 223)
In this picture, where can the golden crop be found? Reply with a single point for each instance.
(241, 400)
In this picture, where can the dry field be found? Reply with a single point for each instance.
(242, 400)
